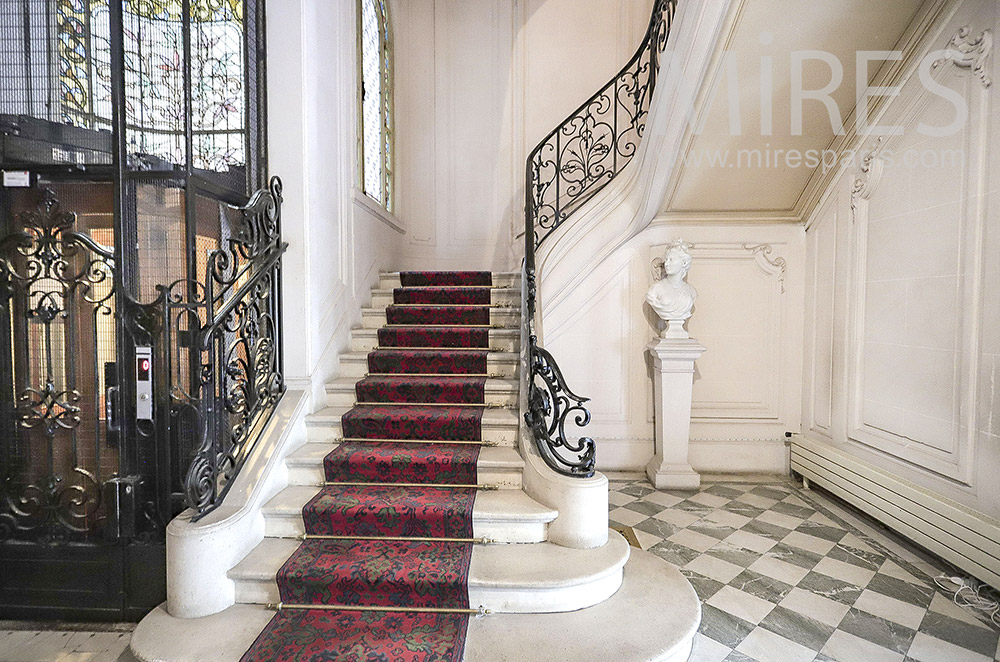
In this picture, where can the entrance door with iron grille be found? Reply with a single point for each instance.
(59, 448)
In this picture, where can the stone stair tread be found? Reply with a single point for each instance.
(539, 566)
(511, 506)
(498, 457)
(348, 384)
(545, 565)
(500, 357)
(366, 331)
(505, 274)
(264, 560)
(309, 454)
(491, 417)
(497, 506)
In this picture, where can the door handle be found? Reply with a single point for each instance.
(111, 409)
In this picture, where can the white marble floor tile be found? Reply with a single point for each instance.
(944, 605)
(751, 541)
(696, 541)
(891, 609)
(713, 568)
(626, 516)
(663, 499)
(765, 646)
(678, 517)
(809, 543)
(844, 571)
(815, 606)
(926, 648)
(780, 570)
(708, 650)
(845, 647)
(742, 605)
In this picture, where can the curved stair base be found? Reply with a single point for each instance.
(652, 618)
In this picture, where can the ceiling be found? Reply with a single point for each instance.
(777, 29)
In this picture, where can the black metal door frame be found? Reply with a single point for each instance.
(127, 565)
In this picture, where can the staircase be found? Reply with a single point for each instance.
(415, 461)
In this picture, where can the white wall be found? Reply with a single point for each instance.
(337, 240)
(749, 314)
(903, 319)
(478, 84)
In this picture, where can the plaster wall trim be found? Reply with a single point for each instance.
(971, 53)
(956, 465)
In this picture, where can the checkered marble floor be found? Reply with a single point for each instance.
(784, 578)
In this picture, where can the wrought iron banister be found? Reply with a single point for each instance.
(218, 345)
(566, 169)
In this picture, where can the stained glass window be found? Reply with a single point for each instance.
(375, 81)
(155, 76)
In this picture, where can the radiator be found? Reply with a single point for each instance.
(960, 535)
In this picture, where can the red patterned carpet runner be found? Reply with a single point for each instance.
(402, 398)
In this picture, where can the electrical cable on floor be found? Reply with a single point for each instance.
(970, 593)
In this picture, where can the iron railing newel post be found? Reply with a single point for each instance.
(580, 147)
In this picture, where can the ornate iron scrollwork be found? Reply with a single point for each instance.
(565, 170)
(590, 147)
(239, 380)
(47, 269)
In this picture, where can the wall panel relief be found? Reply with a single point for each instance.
(915, 300)
(738, 316)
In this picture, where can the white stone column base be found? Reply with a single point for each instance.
(667, 476)
(673, 375)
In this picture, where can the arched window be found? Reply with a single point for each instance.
(375, 83)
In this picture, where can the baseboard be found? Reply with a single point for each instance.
(968, 539)
(762, 457)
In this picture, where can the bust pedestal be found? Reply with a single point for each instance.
(673, 380)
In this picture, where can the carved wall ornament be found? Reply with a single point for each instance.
(671, 297)
(763, 251)
(868, 178)
(970, 54)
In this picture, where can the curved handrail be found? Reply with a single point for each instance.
(566, 169)
(590, 147)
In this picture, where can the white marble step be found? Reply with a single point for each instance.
(501, 340)
(502, 578)
(342, 393)
(509, 297)
(508, 516)
(496, 466)
(653, 617)
(388, 280)
(507, 318)
(498, 425)
(499, 364)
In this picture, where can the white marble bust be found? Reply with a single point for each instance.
(671, 296)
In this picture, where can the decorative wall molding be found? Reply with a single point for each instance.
(763, 252)
(766, 406)
(973, 54)
(869, 175)
(887, 428)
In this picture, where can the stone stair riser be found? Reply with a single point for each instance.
(290, 524)
(326, 430)
(511, 600)
(507, 479)
(357, 366)
(390, 281)
(344, 396)
(502, 340)
(374, 318)
(508, 298)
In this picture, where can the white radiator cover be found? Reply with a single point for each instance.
(960, 535)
